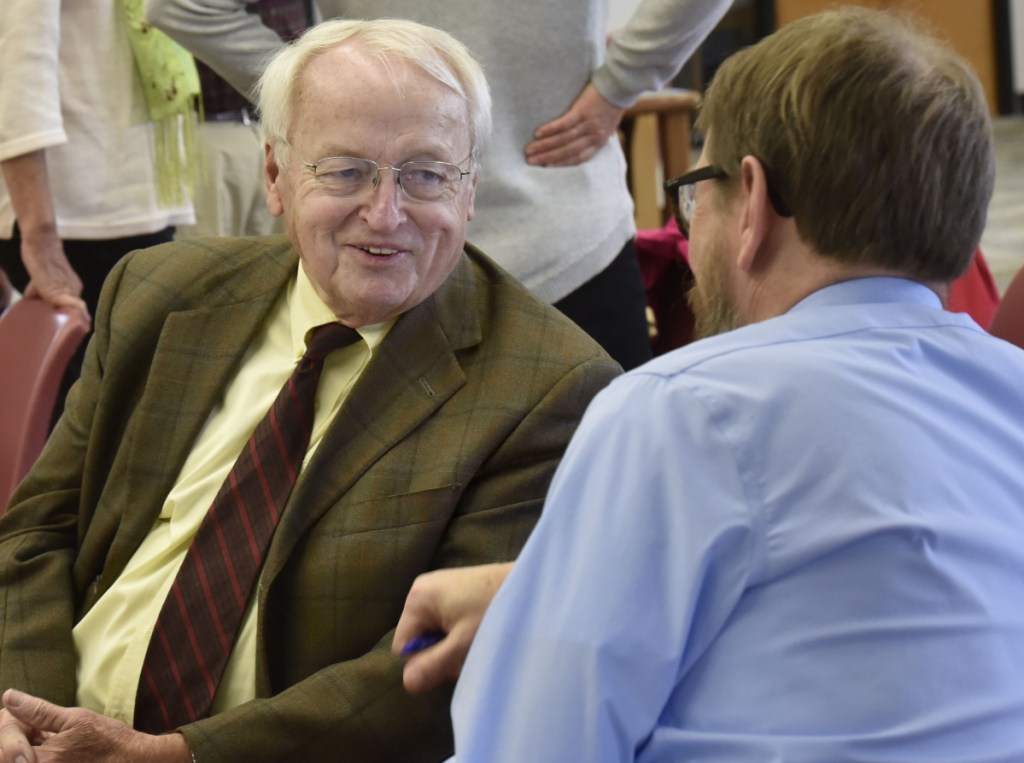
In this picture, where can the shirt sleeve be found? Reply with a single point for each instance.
(642, 551)
(653, 46)
(30, 114)
(221, 33)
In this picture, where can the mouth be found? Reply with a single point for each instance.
(379, 251)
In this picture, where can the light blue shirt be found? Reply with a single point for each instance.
(800, 541)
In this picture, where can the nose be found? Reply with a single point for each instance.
(395, 175)
(382, 209)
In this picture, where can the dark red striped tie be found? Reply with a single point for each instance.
(201, 616)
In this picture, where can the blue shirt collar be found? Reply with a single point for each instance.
(875, 289)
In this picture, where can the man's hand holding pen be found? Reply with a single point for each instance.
(441, 616)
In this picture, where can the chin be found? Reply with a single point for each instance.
(368, 312)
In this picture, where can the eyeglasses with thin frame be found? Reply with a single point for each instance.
(347, 176)
(681, 199)
(680, 193)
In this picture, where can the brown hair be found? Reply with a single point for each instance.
(876, 136)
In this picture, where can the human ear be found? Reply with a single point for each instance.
(271, 176)
(471, 201)
(754, 214)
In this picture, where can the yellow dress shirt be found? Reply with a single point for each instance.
(112, 639)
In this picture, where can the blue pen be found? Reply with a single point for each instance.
(421, 642)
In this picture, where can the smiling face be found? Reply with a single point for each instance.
(372, 256)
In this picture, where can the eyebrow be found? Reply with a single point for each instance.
(422, 154)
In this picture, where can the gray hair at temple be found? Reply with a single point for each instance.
(875, 135)
(436, 52)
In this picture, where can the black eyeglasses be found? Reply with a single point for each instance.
(680, 194)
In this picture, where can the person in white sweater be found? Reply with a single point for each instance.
(79, 181)
(78, 187)
(552, 207)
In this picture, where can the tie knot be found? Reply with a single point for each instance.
(328, 338)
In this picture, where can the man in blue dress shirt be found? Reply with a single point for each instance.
(800, 539)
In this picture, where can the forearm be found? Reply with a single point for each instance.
(28, 184)
(37, 601)
(651, 49)
(355, 710)
(36, 651)
(220, 33)
(42, 251)
(171, 748)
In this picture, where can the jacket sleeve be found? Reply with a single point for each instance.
(40, 586)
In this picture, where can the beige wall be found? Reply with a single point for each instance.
(966, 24)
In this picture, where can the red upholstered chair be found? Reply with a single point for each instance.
(662, 255)
(975, 292)
(1008, 322)
(36, 342)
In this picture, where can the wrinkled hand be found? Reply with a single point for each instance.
(40, 732)
(578, 134)
(17, 739)
(450, 600)
(51, 277)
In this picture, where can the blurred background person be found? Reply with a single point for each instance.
(96, 124)
(229, 198)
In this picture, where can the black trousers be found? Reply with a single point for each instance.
(612, 308)
(92, 261)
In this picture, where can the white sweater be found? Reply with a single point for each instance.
(553, 228)
(68, 84)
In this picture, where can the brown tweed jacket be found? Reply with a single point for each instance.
(440, 456)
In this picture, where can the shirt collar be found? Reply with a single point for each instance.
(307, 311)
(870, 290)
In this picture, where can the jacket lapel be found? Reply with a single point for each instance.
(414, 371)
(196, 356)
